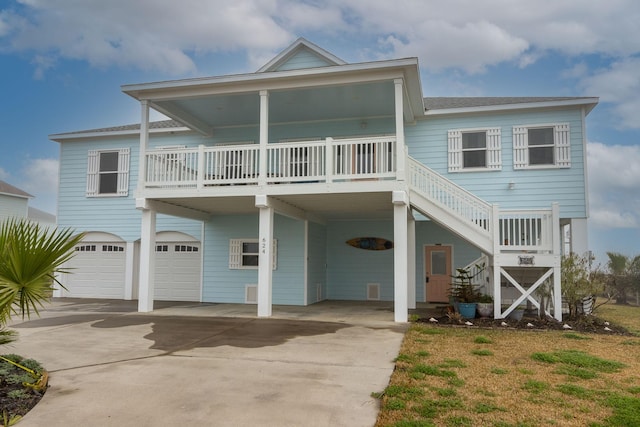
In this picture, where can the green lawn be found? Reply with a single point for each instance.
(457, 376)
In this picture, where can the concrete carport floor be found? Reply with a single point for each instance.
(209, 364)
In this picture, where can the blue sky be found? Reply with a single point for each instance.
(62, 63)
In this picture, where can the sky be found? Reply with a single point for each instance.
(62, 63)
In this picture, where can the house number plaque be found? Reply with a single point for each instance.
(526, 260)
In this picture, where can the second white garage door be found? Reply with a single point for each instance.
(178, 266)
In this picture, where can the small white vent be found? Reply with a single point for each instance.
(373, 291)
(251, 294)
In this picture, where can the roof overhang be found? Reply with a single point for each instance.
(587, 103)
(203, 104)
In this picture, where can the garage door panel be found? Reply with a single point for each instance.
(96, 271)
(178, 267)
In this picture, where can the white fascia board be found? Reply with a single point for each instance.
(255, 81)
(589, 103)
(59, 137)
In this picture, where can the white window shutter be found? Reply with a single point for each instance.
(455, 150)
(92, 173)
(494, 149)
(235, 254)
(123, 172)
(520, 149)
(563, 145)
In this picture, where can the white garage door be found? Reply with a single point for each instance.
(177, 271)
(97, 271)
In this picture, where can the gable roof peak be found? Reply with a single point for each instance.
(299, 45)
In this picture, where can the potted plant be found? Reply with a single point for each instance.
(464, 293)
(485, 305)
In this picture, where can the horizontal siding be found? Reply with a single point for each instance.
(12, 207)
(349, 269)
(116, 215)
(224, 285)
(302, 59)
(427, 143)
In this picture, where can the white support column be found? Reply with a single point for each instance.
(400, 265)
(557, 261)
(264, 136)
(400, 148)
(147, 261)
(144, 143)
(129, 270)
(411, 259)
(579, 238)
(265, 258)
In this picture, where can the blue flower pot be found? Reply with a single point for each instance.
(467, 309)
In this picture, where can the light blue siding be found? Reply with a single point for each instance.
(534, 189)
(349, 269)
(12, 207)
(116, 215)
(303, 59)
(221, 284)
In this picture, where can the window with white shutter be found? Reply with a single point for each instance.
(472, 150)
(541, 146)
(108, 173)
(244, 254)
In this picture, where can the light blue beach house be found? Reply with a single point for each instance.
(315, 179)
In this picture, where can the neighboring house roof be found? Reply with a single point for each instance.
(440, 105)
(40, 216)
(10, 190)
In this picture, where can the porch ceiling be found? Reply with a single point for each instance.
(305, 104)
(340, 206)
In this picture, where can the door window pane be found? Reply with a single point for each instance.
(438, 262)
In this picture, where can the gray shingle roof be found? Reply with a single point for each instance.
(163, 124)
(6, 188)
(442, 103)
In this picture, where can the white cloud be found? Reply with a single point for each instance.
(619, 84)
(39, 177)
(614, 180)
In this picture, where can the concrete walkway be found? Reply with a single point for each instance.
(209, 364)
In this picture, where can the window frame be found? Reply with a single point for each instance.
(561, 146)
(94, 173)
(236, 254)
(492, 149)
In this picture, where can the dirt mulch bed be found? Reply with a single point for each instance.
(583, 324)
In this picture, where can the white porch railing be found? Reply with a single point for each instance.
(450, 196)
(291, 162)
(526, 230)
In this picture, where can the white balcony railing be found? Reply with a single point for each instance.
(526, 230)
(288, 162)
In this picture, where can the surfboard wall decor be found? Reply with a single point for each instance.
(371, 243)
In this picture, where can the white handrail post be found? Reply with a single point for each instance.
(329, 160)
(200, 173)
(144, 143)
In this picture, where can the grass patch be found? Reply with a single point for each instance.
(560, 378)
(481, 352)
(534, 386)
(481, 339)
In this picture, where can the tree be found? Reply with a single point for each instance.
(623, 275)
(30, 259)
(578, 282)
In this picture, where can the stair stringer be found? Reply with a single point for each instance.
(482, 239)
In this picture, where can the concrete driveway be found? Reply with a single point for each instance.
(209, 364)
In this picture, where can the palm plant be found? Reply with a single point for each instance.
(30, 258)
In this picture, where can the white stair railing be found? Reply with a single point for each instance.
(450, 196)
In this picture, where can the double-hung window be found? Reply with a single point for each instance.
(108, 172)
(245, 253)
(474, 149)
(541, 146)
